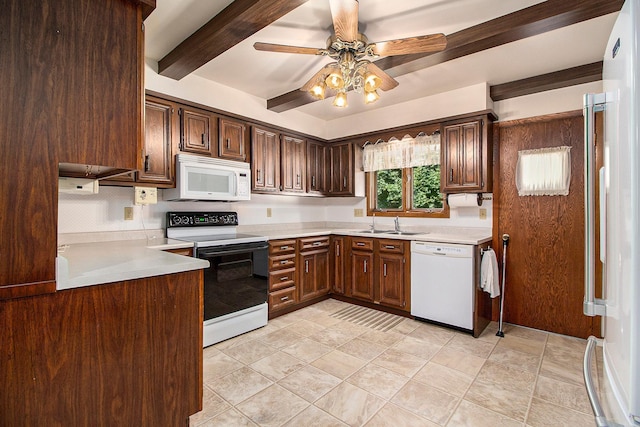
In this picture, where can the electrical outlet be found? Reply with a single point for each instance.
(483, 213)
(268, 212)
(145, 195)
(358, 213)
(128, 213)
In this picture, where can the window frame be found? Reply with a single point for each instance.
(407, 196)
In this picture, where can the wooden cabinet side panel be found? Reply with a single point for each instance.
(98, 80)
(125, 353)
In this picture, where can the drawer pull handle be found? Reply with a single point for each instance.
(389, 247)
(385, 269)
(284, 248)
(284, 262)
(283, 278)
(359, 244)
(317, 243)
(365, 265)
(284, 298)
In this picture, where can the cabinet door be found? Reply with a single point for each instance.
(362, 275)
(316, 182)
(265, 160)
(293, 164)
(231, 141)
(338, 257)
(314, 274)
(462, 169)
(341, 169)
(157, 159)
(391, 279)
(195, 132)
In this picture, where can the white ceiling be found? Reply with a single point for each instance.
(267, 75)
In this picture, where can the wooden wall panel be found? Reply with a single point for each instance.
(120, 354)
(545, 257)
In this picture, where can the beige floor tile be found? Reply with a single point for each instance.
(471, 415)
(434, 334)
(250, 351)
(423, 349)
(458, 360)
(212, 405)
(339, 364)
(322, 318)
(378, 380)
(427, 402)
(562, 364)
(446, 379)
(547, 414)
(333, 337)
(522, 332)
(284, 321)
(489, 333)
(386, 339)
(572, 344)
(393, 415)
(350, 404)
(362, 349)
(272, 407)
(313, 416)
(507, 377)
(563, 394)
(310, 383)
(406, 326)
(239, 385)
(351, 327)
(230, 417)
(399, 362)
(516, 359)
(307, 350)
(280, 338)
(277, 365)
(331, 305)
(218, 365)
(304, 327)
(498, 398)
(523, 345)
(470, 345)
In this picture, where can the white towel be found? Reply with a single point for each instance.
(489, 278)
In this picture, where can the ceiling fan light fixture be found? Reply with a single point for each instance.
(371, 82)
(335, 80)
(318, 90)
(371, 96)
(340, 100)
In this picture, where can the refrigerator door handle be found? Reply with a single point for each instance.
(592, 103)
(601, 420)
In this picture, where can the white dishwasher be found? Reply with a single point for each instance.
(442, 288)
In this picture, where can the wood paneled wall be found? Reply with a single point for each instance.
(545, 256)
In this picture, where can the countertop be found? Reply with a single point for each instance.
(460, 235)
(86, 264)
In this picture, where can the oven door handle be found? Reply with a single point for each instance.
(213, 252)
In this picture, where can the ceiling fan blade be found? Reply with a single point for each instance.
(270, 47)
(320, 75)
(388, 82)
(345, 19)
(419, 44)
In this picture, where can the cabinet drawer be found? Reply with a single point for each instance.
(282, 298)
(282, 246)
(314, 242)
(282, 279)
(279, 262)
(391, 246)
(362, 243)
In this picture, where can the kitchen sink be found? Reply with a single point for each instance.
(406, 233)
(375, 231)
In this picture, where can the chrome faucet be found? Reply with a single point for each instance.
(373, 223)
(396, 223)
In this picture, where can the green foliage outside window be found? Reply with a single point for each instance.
(426, 187)
(389, 188)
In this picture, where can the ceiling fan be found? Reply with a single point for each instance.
(350, 50)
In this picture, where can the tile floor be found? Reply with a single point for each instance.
(310, 369)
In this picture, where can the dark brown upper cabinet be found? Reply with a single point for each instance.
(341, 170)
(293, 161)
(197, 127)
(317, 156)
(231, 143)
(265, 160)
(160, 124)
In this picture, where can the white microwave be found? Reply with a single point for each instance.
(206, 178)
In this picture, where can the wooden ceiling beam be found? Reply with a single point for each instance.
(556, 80)
(537, 19)
(236, 22)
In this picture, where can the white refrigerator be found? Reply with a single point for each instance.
(616, 399)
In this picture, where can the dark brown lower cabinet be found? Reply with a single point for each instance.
(120, 354)
(313, 267)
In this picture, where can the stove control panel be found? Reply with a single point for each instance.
(197, 219)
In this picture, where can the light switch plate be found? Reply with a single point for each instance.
(145, 195)
(128, 213)
(358, 213)
(268, 212)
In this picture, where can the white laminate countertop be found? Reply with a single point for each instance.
(460, 235)
(86, 264)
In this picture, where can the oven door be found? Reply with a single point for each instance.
(237, 278)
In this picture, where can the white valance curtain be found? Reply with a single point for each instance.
(423, 150)
(544, 171)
